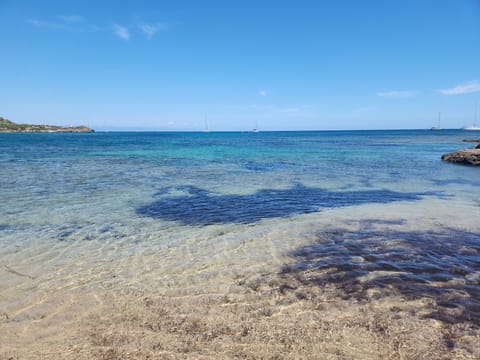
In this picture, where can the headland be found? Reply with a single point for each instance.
(9, 126)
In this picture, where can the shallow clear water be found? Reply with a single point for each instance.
(197, 204)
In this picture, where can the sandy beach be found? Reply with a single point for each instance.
(297, 304)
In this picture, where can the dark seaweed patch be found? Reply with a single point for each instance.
(383, 222)
(443, 182)
(442, 265)
(265, 166)
(200, 207)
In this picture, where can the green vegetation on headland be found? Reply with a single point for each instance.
(10, 126)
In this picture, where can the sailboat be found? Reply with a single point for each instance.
(473, 127)
(255, 129)
(437, 127)
(206, 125)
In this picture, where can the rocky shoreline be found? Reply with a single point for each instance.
(11, 127)
(465, 156)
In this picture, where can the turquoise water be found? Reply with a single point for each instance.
(318, 169)
(230, 202)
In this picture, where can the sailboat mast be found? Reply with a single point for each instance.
(475, 116)
(439, 115)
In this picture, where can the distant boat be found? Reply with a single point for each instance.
(256, 129)
(474, 126)
(437, 127)
(471, 128)
(206, 125)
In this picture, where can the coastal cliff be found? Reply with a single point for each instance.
(10, 126)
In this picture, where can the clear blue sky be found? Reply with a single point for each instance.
(304, 64)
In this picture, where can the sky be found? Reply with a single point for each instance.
(235, 65)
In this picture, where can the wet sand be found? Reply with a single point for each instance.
(254, 319)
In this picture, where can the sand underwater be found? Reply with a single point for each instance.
(322, 245)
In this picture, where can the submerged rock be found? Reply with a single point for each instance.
(465, 156)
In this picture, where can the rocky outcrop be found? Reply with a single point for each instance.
(10, 126)
(465, 156)
(473, 140)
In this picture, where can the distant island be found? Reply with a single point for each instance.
(9, 126)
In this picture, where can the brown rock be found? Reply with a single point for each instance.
(465, 156)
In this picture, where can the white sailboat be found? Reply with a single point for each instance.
(437, 127)
(206, 125)
(256, 129)
(474, 126)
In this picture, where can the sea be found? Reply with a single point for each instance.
(188, 213)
